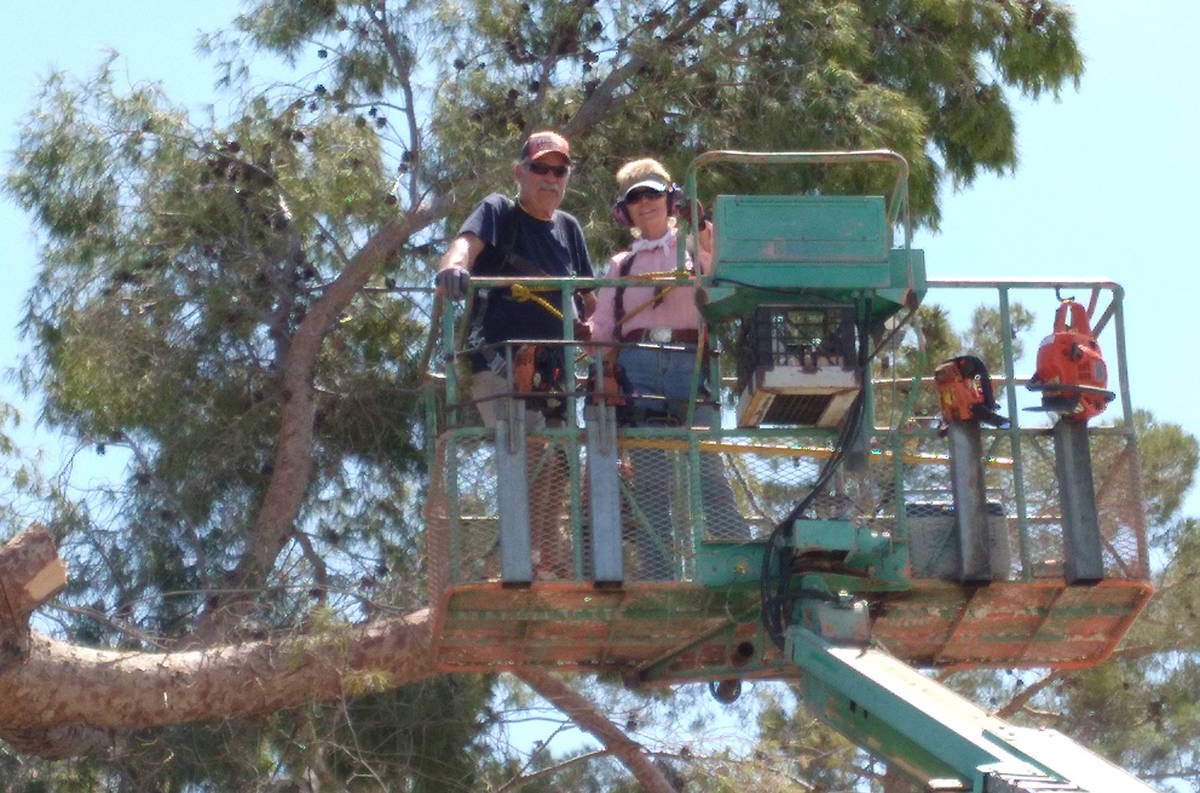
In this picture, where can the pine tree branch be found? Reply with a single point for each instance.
(588, 717)
(60, 700)
(604, 99)
(1144, 650)
(62, 697)
(1021, 700)
(292, 469)
(402, 61)
(524, 779)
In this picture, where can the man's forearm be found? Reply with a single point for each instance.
(461, 253)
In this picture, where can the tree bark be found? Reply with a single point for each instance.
(584, 713)
(62, 688)
(30, 573)
(57, 699)
(1022, 698)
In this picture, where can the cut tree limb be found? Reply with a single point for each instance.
(56, 699)
(62, 686)
(30, 574)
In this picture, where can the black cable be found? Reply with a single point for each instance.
(777, 605)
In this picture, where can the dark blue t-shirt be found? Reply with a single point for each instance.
(556, 246)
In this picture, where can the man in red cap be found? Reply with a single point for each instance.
(528, 237)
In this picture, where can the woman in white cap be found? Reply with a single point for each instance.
(659, 329)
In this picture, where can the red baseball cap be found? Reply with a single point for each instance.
(542, 143)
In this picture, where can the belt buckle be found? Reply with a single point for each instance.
(660, 335)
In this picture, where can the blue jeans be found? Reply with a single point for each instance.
(660, 481)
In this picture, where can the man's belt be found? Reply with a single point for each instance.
(662, 336)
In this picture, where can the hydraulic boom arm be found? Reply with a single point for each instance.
(936, 736)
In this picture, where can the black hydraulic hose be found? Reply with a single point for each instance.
(776, 605)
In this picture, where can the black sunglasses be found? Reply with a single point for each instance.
(638, 195)
(541, 169)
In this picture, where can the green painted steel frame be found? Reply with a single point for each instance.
(1020, 437)
(896, 285)
(875, 717)
(1016, 436)
(872, 563)
(931, 733)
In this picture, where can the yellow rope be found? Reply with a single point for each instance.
(653, 301)
(664, 274)
(522, 293)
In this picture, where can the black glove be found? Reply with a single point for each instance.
(453, 281)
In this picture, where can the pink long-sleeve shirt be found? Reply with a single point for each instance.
(677, 309)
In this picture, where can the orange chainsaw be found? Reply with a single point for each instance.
(965, 388)
(1070, 369)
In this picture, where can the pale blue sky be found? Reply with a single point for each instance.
(1101, 190)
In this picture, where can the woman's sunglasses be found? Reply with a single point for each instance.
(638, 195)
(541, 169)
